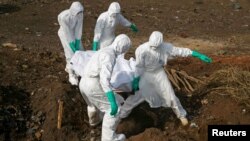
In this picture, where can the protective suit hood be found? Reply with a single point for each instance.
(114, 8)
(75, 8)
(155, 39)
(121, 44)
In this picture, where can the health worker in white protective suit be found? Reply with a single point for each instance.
(122, 75)
(106, 24)
(155, 87)
(97, 91)
(70, 34)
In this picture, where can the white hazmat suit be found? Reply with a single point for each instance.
(106, 24)
(122, 75)
(95, 83)
(154, 84)
(70, 34)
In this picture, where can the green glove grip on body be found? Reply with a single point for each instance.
(134, 28)
(72, 46)
(112, 100)
(77, 45)
(95, 46)
(135, 84)
(202, 57)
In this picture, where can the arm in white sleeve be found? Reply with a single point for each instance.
(139, 67)
(99, 28)
(123, 21)
(106, 71)
(178, 51)
(78, 28)
(67, 31)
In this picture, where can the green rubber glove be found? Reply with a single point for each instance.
(135, 84)
(95, 46)
(72, 46)
(134, 28)
(112, 100)
(77, 45)
(202, 57)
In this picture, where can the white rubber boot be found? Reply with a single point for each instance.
(120, 137)
(94, 116)
(184, 121)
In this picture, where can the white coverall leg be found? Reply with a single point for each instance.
(67, 50)
(94, 114)
(97, 97)
(160, 94)
(155, 94)
(130, 103)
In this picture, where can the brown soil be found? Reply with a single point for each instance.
(34, 70)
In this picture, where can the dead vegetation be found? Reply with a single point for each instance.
(232, 81)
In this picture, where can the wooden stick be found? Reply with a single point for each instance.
(60, 114)
(189, 85)
(183, 83)
(173, 72)
(172, 80)
(190, 77)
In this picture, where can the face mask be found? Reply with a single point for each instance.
(113, 15)
(112, 18)
(153, 47)
(122, 48)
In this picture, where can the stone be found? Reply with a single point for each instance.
(38, 135)
(193, 125)
(11, 45)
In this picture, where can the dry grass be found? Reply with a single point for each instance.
(231, 81)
